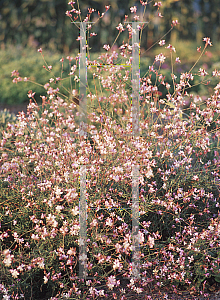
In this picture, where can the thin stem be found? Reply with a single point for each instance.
(198, 59)
(172, 74)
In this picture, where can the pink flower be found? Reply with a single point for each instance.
(43, 98)
(30, 94)
(40, 50)
(46, 86)
(70, 58)
(106, 47)
(79, 38)
(15, 73)
(68, 14)
(171, 48)
(15, 80)
(216, 73)
(175, 22)
(203, 72)
(118, 247)
(91, 10)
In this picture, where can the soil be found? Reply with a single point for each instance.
(15, 108)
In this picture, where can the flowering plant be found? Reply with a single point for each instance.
(177, 152)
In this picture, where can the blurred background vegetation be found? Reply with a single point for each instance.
(37, 23)
(26, 25)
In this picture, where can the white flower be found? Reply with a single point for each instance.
(81, 242)
(160, 57)
(83, 257)
(35, 236)
(203, 72)
(107, 47)
(58, 191)
(14, 273)
(140, 237)
(133, 9)
(117, 265)
(120, 27)
(207, 40)
(40, 262)
(111, 282)
(51, 220)
(116, 178)
(109, 222)
(75, 210)
(71, 251)
(7, 261)
(149, 173)
(101, 293)
(139, 290)
(171, 48)
(191, 259)
(150, 241)
(162, 42)
(20, 268)
(195, 177)
(159, 4)
(59, 208)
(45, 279)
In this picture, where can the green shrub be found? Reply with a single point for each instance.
(5, 118)
(28, 62)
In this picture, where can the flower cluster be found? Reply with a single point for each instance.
(177, 154)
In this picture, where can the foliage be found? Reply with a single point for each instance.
(28, 62)
(34, 23)
(42, 23)
(196, 18)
